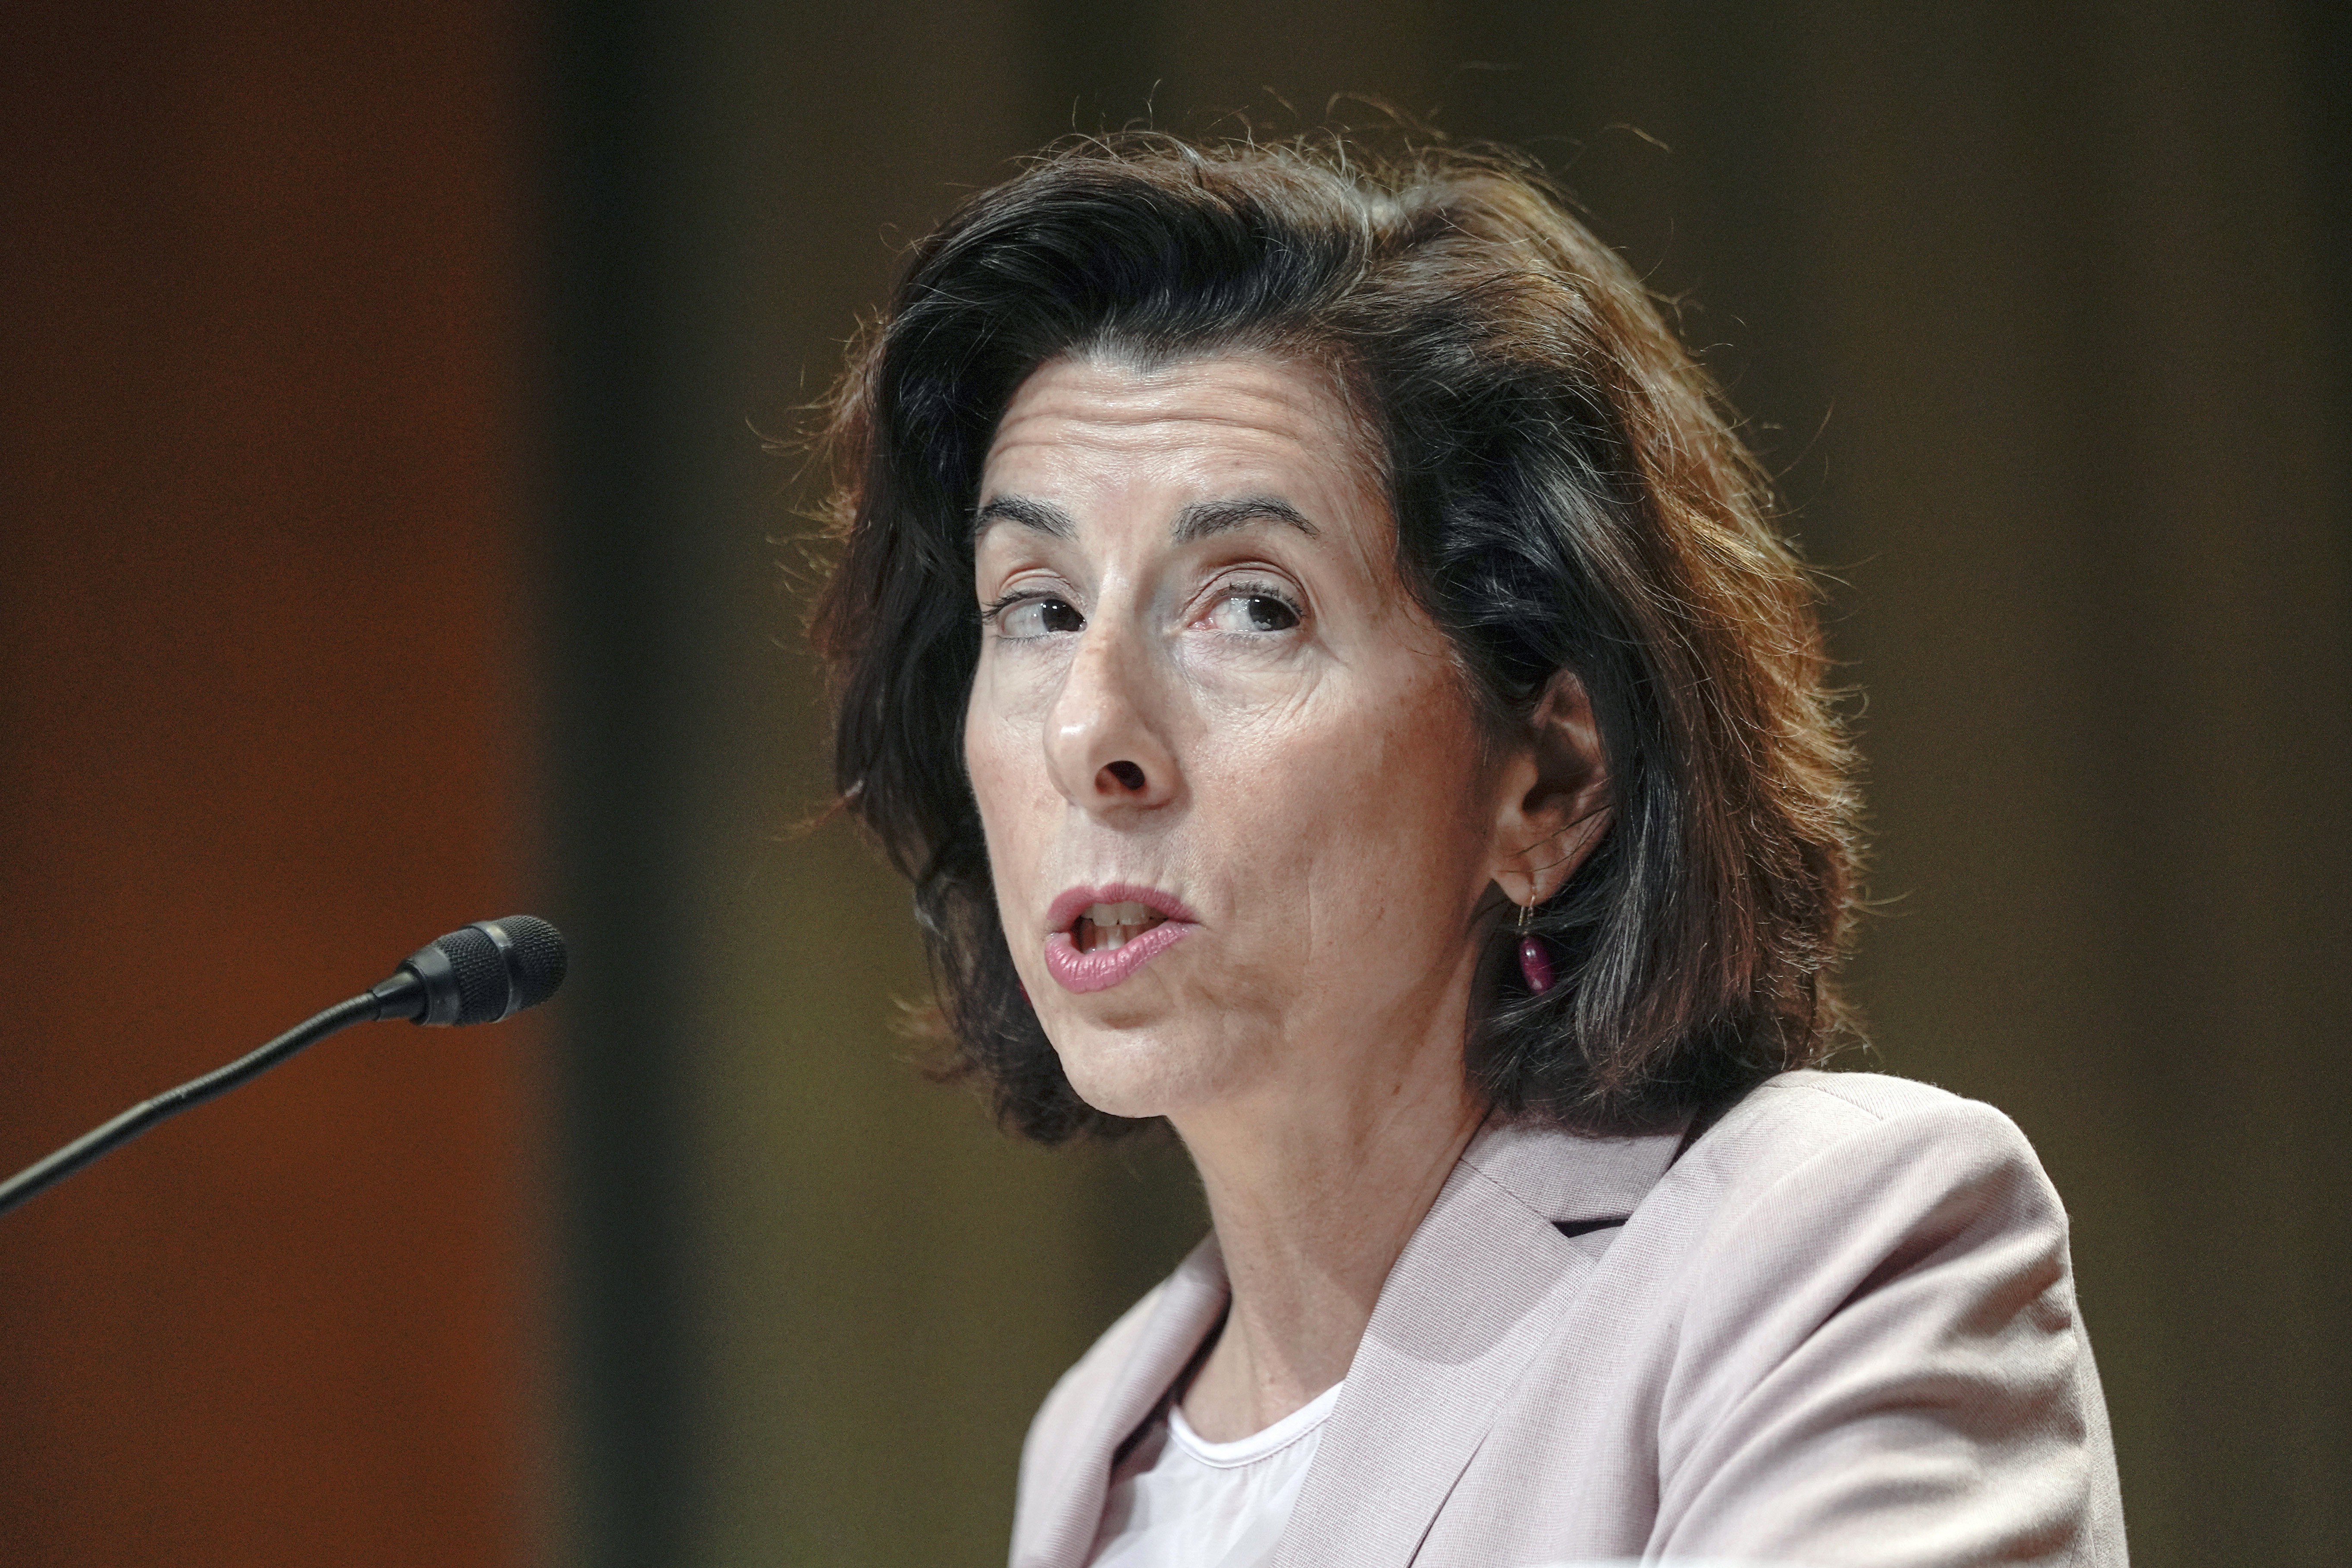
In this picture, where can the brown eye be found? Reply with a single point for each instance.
(1248, 612)
(1038, 618)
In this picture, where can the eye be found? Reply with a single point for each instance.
(1253, 610)
(1039, 614)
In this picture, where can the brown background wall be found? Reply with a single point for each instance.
(2039, 312)
(261, 734)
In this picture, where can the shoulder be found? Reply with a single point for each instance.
(1855, 1264)
(1807, 1140)
(1826, 1184)
(1871, 1241)
(1810, 1108)
(1851, 1145)
(1830, 1230)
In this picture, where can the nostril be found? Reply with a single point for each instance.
(1128, 775)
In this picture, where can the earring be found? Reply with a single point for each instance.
(1535, 959)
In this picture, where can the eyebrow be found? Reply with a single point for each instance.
(1040, 516)
(1205, 518)
(1202, 520)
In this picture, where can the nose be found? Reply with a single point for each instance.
(1104, 744)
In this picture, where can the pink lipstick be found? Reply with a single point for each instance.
(1077, 970)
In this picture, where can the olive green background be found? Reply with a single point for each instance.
(2040, 314)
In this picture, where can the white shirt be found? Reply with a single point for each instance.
(1178, 1500)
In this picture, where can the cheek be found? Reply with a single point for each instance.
(993, 758)
(1004, 759)
(1359, 808)
(1416, 796)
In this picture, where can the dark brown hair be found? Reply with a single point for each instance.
(1567, 494)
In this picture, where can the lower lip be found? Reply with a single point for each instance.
(1106, 967)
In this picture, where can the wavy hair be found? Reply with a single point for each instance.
(1569, 493)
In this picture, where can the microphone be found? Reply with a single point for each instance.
(486, 972)
(477, 974)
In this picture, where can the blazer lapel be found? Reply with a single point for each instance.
(1190, 1304)
(1480, 1286)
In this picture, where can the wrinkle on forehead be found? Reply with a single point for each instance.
(1287, 409)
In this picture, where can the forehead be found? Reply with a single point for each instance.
(1197, 424)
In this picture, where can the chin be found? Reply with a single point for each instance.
(1140, 1074)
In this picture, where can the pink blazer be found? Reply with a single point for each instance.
(1839, 1330)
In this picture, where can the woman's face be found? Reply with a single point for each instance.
(1232, 785)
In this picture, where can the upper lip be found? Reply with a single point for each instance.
(1076, 901)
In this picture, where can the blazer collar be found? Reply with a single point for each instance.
(1191, 1303)
(1477, 1291)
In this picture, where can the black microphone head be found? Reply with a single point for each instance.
(534, 955)
(487, 971)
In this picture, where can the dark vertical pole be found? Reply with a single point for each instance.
(613, 660)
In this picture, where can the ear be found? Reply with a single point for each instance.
(1554, 795)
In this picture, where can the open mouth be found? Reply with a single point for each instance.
(1098, 938)
(1105, 927)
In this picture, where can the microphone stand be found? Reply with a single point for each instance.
(477, 974)
(365, 1008)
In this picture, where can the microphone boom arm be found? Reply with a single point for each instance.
(364, 1008)
(477, 974)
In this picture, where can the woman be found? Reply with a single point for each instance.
(1312, 640)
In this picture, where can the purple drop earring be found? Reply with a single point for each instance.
(1535, 959)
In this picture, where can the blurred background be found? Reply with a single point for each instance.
(388, 539)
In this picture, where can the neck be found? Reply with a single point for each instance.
(1313, 1199)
